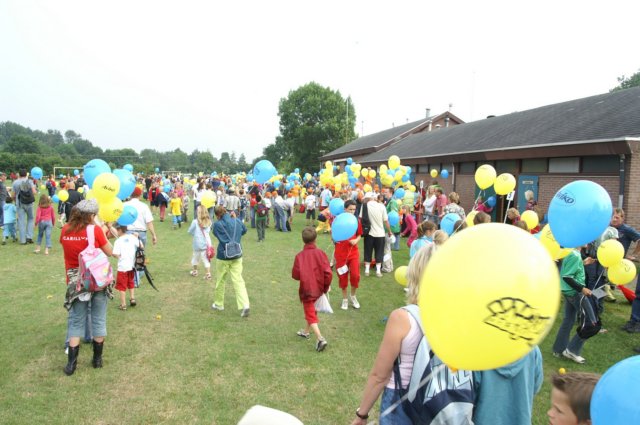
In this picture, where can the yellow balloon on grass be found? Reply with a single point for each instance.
(493, 310)
(63, 195)
(505, 183)
(470, 217)
(610, 253)
(622, 273)
(551, 245)
(208, 199)
(105, 187)
(401, 275)
(394, 161)
(485, 176)
(110, 211)
(372, 174)
(530, 218)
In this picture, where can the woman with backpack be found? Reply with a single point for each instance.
(74, 240)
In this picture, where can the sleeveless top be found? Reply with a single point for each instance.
(407, 353)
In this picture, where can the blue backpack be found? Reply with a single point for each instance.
(436, 394)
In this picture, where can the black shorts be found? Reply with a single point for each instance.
(311, 214)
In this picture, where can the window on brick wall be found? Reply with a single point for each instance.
(507, 166)
(601, 164)
(564, 165)
(423, 169)
(467, 167)
(448, 167)
(534, 165)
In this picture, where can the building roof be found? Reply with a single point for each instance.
(611, 116)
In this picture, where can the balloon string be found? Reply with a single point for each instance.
(508, 205)
(595, 285)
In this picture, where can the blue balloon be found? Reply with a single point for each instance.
(391, 172)
(93, 169)
(166, 188)
(128, 167)
(336, 206)
(157, 170)
(289, 186)
(344, 227)
(297, 171)
(448, 223)
(394, 218)
(491, 201)
(277, 184)
(263, 171)
(349, 161)
(36, 173)
(55, 198)
(444, 174)
(76, 172)
(579, 212)
(408, 170)
(405, 178)
(60, 176)
(399, 193)
(128, 216)
(613, 401)
(127, 183)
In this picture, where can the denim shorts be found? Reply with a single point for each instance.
(397, 416)
(78, 316)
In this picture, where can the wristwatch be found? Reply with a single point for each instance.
(361, 416)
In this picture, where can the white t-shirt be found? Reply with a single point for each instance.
(144, 215)
(125, 246)
(429, 203)
(290, 203)
(377, 217)
(310, 202)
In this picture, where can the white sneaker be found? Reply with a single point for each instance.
(578, 359)
(216, 307)
(345, 304)
(379, 274)
(366, 273)
(354, 302)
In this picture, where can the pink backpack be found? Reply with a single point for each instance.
(95, 271)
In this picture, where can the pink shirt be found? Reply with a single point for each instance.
(45, 214)
(408, 349)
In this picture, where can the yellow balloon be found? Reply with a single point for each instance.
(105, 187)
(412, 188)
(551, 245)
(372, 173)
(485, 176)
(622, 273)
(495, 309)
(383, 168)
(610, 253)
(364, 172)
(366, 187)
(42, 187)
(505, 183)
(111, 210)
(337, 187)
(80, 189)
(63, 195)
(469, 219)
(193, 182)
(434, 173)
(207, 199)
(401, 275)
(328, 164)
(356, 173)
(394, 161)
(89, 195)
(529, 217)
(200, 174)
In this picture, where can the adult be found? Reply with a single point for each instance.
(531, 202)
(3, 196)
(626, 235)
(429, 205)
(375, 239)
(24, 204)
(454, 206)
(144, 221)
(74, 198)
(73, 238)
(441, 202)
(279, 212)
(233, 203)
(325, 198)
(229, 231)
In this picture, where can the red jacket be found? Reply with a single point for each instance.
(311, 268)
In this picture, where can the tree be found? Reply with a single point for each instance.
(627, 83)
(314, 120)
(21, 143)
(242, 163)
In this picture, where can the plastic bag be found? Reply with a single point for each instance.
(322, 304)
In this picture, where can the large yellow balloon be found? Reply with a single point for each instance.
(372, 174)
(493, 310)
(63, 195)
(505, 183)
(622, 273)
(207, 199)
(610, 253)
(394, 161)
(110, 211)
(529, 217)
(434, 173)
(383, 168)
(105, 187)
(401, 275)
(485, 176)
(551, 245)
(364, 172)
(469, 219)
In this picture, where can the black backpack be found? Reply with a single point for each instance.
(140, 265)
(589, 323)
(366, 223)
(25, 194)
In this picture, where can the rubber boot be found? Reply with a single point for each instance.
(97, 354)
(73, 360)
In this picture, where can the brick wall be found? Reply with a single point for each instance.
(631, 204)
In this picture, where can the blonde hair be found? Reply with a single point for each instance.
(513, 211)
(528, 195)
(440, 237)
(44, 201)
(203, 216)
(415, 270)
(454, 197)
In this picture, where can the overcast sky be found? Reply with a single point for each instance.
(209, 75)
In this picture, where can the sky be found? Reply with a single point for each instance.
(209, 75)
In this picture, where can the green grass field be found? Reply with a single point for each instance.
(172, 359)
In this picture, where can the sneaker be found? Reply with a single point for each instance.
(379, 274)
(345, 304)
(302, 334)
(627, 325)
(216, 307)
(556, 354)
(29, 240)
(354, 302)
(245, 312)
(366, 273)
(321, 344)
(578, 359)
(634, 328)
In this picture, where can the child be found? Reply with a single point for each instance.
(411, 228)
(260, 220)
(124, 249)
(9, 214)
(424, 232)
(199, 229)
(311, 268)
(175, 204)
(310, 206)
(571, 398)
(347, 260)
(45, 217)
(185, 206)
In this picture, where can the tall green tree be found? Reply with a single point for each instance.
(314, 120)
(627, 82)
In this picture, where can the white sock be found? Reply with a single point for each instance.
(366, 267)
(378, 267)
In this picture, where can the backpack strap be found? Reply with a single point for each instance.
(422, 357)
(90, 236)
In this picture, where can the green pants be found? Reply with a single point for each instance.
(233, 268)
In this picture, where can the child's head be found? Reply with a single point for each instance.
(8, 200)
(571, 398)
(350, 206)
(481, 217)
(440, 237)
(513, 213)
(521, 224)
(122, 230)
(44, 201)
(203, 216)
(426, 228)
(309, 234)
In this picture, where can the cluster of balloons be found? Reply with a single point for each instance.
(486, 177)
(444, 173)
(611, 255)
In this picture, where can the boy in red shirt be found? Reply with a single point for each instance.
(311, 268)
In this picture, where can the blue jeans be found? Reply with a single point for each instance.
(396, 245)
(9, 229)
(96, 309)
(281, 218)
(571, 309)
(635, 305)
(25, 222)
(44, 227)
(397, 416)
(87, 327)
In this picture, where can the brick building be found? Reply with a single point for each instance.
(596, 138)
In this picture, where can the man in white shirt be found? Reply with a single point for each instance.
(375, 239)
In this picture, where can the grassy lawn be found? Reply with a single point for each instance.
(172, 359)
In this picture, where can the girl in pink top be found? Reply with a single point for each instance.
(45, 217)
(411, 228)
